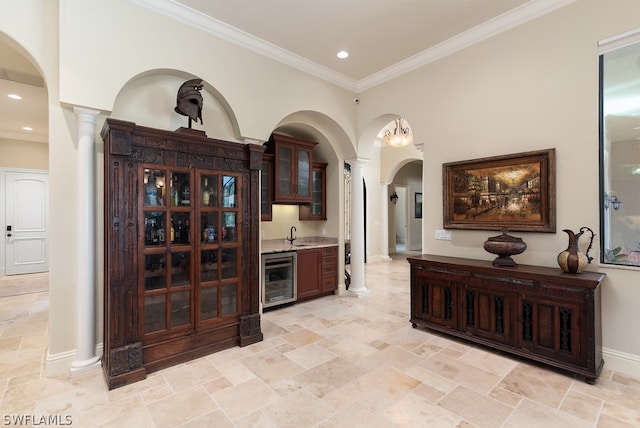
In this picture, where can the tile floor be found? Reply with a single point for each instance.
(333, 362)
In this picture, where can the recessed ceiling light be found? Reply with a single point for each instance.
(27, 128)
(343, 54)
(14, 96)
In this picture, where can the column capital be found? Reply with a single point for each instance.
(419, 146)
(86, 114)
(354, 161)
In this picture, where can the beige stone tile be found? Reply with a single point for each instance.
(531, 414)
(285, 387)
(409, 338)
(126, 412)
(462, 373)
(413, 410)
(480, 410)
(181, 407)
(356, 392)
(538, 384)
(302, 337)
(606, 421)
(623, 414)
(271, 366)
(241, 400)
(219, 384)
(235, 372)
(626, 380)
(391, 382)
(609, 391)
(151, 382)
(489, 361)
(432, 379)
(257, 419)
(395, 357)
(352, 349)
(154, 394)
(428, 392)
(310, 355)
(185, 376)
(507, 397)
(328, 376)
(215, 419)
(356, 416)
(298, 409)
(581, 406)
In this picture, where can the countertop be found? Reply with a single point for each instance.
(280, 245)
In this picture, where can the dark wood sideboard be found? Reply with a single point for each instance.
(535, 312)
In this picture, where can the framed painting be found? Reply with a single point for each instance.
(514, 191)
(418, 205)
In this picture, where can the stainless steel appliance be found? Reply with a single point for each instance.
(279, 278)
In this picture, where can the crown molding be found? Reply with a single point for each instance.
(527, 12)
(518, 16)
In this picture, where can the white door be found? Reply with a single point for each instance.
(27, 201)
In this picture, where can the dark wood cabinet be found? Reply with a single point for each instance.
(292, 168)
(317, 209)
(266, 188)
(329, 270)
(308, 267)
(535, 312)
(317, 272)
(181, 248)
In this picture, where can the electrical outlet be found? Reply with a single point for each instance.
(443, 235)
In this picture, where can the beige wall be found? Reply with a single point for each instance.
(24, 154)
(532, 87)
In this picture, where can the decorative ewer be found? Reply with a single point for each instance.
(505, 246)
(572, 260)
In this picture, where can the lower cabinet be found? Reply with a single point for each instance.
(534, 312)
(317, 272)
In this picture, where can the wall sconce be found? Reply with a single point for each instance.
(394, 197)
(613, 200)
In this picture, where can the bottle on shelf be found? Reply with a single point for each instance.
(179, 231)
(173, 194)
(172, 233)
(154, 232)
(186, 238)
(206, 194)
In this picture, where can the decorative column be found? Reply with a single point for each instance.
(357, 287)
(86, 260)
(385, 222)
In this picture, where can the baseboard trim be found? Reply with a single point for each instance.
(621, 362)
(60, 364)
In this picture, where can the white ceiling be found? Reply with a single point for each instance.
(385, 38)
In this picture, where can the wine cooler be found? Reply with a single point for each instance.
(279, 279)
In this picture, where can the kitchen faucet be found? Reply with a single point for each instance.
(291, 239)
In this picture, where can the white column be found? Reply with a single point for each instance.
(357, 287)
(86, 274)
(385, 222)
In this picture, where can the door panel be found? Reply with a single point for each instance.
(27, 198)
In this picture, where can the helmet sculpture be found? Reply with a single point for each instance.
(189, 102)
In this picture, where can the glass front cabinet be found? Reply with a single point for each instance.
(181, 248)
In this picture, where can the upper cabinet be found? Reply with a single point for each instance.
(292, 168)
(317, 209)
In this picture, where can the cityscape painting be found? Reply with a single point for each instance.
(516, 192)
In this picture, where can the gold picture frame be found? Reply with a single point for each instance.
(515, 191)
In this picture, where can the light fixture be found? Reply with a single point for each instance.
(400, 137)
(14, 96)
(613, 201)
(27, 128)
(394, 197)
(342, 54)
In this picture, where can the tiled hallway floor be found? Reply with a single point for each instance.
(334, 362)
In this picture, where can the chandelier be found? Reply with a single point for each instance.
(400, 137)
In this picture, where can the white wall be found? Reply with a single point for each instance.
(533, 87)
